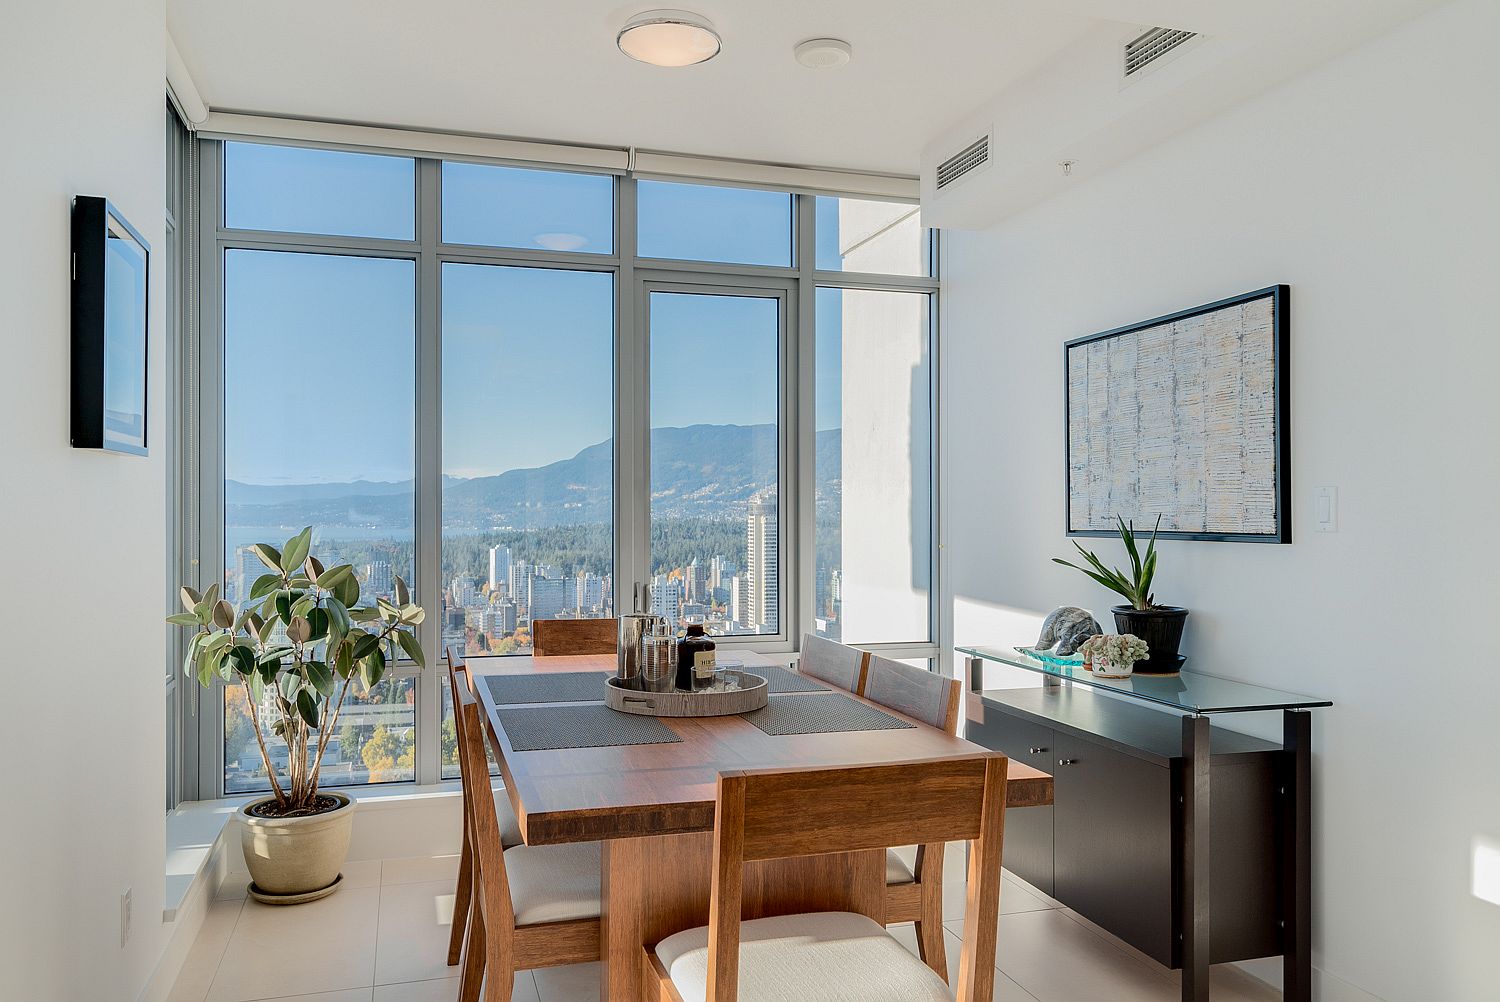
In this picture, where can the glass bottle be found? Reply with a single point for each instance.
(695, 659)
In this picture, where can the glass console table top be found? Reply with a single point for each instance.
(1190, 691)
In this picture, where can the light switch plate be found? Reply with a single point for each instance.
(1326, 510)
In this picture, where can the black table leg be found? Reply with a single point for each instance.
(1296, 870)
(1195, 868)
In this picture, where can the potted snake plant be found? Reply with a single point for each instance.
(1160, 626)
(298, 645)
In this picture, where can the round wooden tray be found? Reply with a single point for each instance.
(751, 695)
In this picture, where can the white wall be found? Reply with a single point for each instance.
(81, 112)
(1372, 187)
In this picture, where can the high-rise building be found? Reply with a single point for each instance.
(695, 582)
(762, 564)
(499, 567)
(463, 591)
(520, 570)
(590, 593)
(546, 598)
(499, 619)
(378, 578)
(666, 598)
(739, 603)
(247, 567)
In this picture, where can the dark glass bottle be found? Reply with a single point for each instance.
(695, 659)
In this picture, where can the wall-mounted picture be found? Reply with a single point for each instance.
(111, 262)
(1184, 417)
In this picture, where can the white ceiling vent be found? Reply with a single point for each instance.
(963, 163)
(1150, 45)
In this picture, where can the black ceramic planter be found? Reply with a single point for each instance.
(1160, 628)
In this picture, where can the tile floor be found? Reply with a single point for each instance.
(384, 936)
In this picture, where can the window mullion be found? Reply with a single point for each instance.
(804, 566)
(428, 501)
(632, 530)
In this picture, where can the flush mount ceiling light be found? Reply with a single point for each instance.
(823, 53)
(669, 38)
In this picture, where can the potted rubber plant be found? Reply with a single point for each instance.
(298, 645)
(1160, 626)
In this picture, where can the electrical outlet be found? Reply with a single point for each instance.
(126, 907)
(1326, 512)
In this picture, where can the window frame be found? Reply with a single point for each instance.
(199, 526)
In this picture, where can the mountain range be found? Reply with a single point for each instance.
(702, 471)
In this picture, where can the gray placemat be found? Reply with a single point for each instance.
(821, 713)
(559, 687)
(783, 680)
(539, 728)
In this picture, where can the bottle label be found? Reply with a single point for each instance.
(703, 664)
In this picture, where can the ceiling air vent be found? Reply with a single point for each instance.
(965, 161)
(1151, 45)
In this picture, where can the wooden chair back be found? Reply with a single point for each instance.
(920, 694)
(834, 663)
(769, 814)
(552, 638)
(493, 897)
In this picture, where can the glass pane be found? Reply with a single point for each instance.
(528, 453)
(321, 335)
(374, 740)
(873, 572)
(513, 207)
(715, 549)
(297, 190)
(449, 735)
(885, 238)
(699, 222)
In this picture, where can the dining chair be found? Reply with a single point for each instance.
(531, 906)
(915, 893)
(834, 663)
(845, 954)
(510, 827)
(552, 638)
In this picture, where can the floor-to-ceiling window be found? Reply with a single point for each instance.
(542, 394)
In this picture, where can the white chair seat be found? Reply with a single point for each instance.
(553, 883)
(896, 870)
(510, 828)
(819, 957)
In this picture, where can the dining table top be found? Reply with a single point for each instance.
(628, 791)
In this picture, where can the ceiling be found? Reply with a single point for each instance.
(549, 69)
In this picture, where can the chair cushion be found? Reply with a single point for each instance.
(820, 957)
(896, 870)
(553, 883)
(510, 828)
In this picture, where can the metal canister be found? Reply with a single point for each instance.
(631, 640)
(659, 657)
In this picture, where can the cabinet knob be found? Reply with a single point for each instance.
(1036, 750)
(1067, 761)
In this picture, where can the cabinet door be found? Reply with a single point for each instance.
(1028, 830)
(1113, 842)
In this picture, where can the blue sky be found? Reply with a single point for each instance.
(527, 353)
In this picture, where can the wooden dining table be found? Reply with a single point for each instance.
(651, 807)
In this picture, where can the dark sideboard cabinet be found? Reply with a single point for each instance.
(1191, 843)
(1111, 845)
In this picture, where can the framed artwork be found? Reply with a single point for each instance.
(111, 262)
(1186, 417)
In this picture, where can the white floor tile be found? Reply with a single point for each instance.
(1006, 990)
(203, 958)
(415, 924)
(350, 995)
(362, 873)
(1058, 960)
(420, 870)
(577, 983)
(322, 946)
(446, 990)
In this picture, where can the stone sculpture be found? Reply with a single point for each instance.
(1067, 628)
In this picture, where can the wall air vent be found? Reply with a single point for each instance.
(964, 162)
(1151, 45)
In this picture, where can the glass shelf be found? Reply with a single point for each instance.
(1189, 691)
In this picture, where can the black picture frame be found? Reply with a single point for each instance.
(111, 330)
(1280, 296)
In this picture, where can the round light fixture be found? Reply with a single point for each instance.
(823, 53)
(669, 38)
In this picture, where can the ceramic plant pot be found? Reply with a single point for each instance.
(1109, 669)
(296, 859)
(1160, 628)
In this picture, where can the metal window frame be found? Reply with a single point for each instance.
(200, 417)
